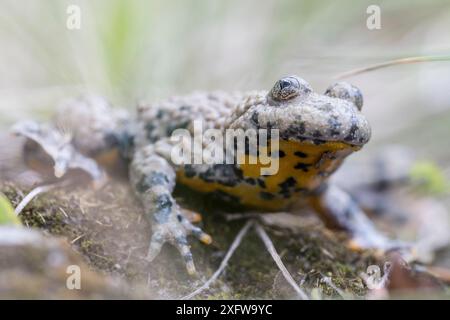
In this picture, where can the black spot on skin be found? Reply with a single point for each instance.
(150, 180)
(281, 154)
(334, 133)
(189, 171)
(250, 181)
(301, 128)
(318, 141)
(296, 131)
(111, 140)
(174, 126)
(300, 154)
(261, 183)
(266, 195)
(289, 182)
(150, 131)
(317, 134)
(149, 126)
(160, 114)
(185, 108)
(207, 176)
(126, 144)
(157, 178)
(353, 130)
(163, 208)
(122, 140)
(254, 119)
(163, 202)
(287, 186)
(223, 196)
(303, 166)
(335, 126)
(225, 174)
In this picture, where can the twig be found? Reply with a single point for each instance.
(224, 262)
(330, 283)
(392, 63)
(77, 238)
(248, 215)
(63, 212)
(270, 247)
(241, 216)
(33, 193)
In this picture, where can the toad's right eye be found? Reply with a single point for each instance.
(289, 87)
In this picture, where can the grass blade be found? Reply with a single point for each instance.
(393, 63)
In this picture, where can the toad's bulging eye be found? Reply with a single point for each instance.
(346, 91)
(289, 87)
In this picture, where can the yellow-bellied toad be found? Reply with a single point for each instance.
(316, 133)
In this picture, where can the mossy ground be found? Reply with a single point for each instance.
(109, 229)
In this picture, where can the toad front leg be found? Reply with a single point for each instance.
(153, 180)
(339, 211)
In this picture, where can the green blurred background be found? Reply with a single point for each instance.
(134, 50)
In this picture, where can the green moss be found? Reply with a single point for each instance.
(430, 178)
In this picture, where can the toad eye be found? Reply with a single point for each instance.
(346, 91)
(289, 87)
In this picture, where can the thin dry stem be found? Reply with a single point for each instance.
(276, 257)
(33, 193)
(224, 262)
(392, 63)
(330, 283)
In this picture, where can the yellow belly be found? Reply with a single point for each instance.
(305, 174)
